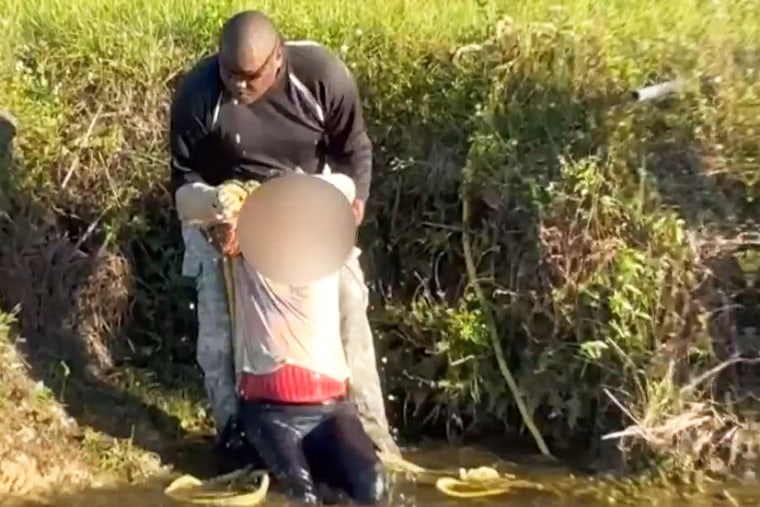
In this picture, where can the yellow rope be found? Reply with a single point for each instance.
(248, 488)
(241, 488)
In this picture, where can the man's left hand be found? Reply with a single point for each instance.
(358, 208)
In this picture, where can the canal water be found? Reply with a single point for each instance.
(573, 490)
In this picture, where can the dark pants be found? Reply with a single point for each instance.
(319, 453)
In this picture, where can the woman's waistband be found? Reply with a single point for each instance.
(291, 384)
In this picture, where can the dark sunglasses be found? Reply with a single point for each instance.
(250, 76)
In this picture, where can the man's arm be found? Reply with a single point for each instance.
(189, 126)
(195, 203)
(186, 129)
(192, 198)
(349, 146)
(190, 117)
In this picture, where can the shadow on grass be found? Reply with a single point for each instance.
(74, 307)
(710, 187)
(440, 364)
(448, 386)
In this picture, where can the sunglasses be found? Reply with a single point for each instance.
(253, 75)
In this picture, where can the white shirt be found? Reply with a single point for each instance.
(277, 324)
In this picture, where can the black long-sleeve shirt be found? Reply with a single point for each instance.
(217, 139)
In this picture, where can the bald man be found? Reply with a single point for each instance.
(257, 109)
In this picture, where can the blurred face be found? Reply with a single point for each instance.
(250, 70)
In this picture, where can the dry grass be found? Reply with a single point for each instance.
(45, 450)
(38, 440)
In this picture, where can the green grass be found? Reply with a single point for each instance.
(586, 210)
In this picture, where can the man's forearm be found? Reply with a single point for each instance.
(359, 164)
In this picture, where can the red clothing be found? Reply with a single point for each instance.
(290, 384)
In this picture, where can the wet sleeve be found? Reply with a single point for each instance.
(365, 388)
(349, 145)
(187, 127)
(215, 352)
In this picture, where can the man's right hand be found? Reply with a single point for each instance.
(224, 236)
(231, 246)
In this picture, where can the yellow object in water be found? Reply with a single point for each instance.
(242, 488)
(234, 489)
(477, 482)
(473, 483)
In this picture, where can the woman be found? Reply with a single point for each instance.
(293, 385)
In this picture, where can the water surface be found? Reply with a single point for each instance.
(575, 490)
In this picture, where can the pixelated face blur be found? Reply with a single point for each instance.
(248, 72)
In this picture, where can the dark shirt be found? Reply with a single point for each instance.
(278, 133)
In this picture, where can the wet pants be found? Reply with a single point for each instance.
(319, 453)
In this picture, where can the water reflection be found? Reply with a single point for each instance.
(577, 491)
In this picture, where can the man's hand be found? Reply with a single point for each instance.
(231, 246)
(357, 206)
(230, 198)
(224, 236)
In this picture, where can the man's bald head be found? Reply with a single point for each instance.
(250, 55)
(247, 28)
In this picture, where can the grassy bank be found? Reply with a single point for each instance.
(42, 447)
(604, 235)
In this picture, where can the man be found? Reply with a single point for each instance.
(257, 109)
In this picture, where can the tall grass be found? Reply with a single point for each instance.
(596, 224)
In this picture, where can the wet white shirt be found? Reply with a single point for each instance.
(277, 324)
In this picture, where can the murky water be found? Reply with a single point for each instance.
(573, 490)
